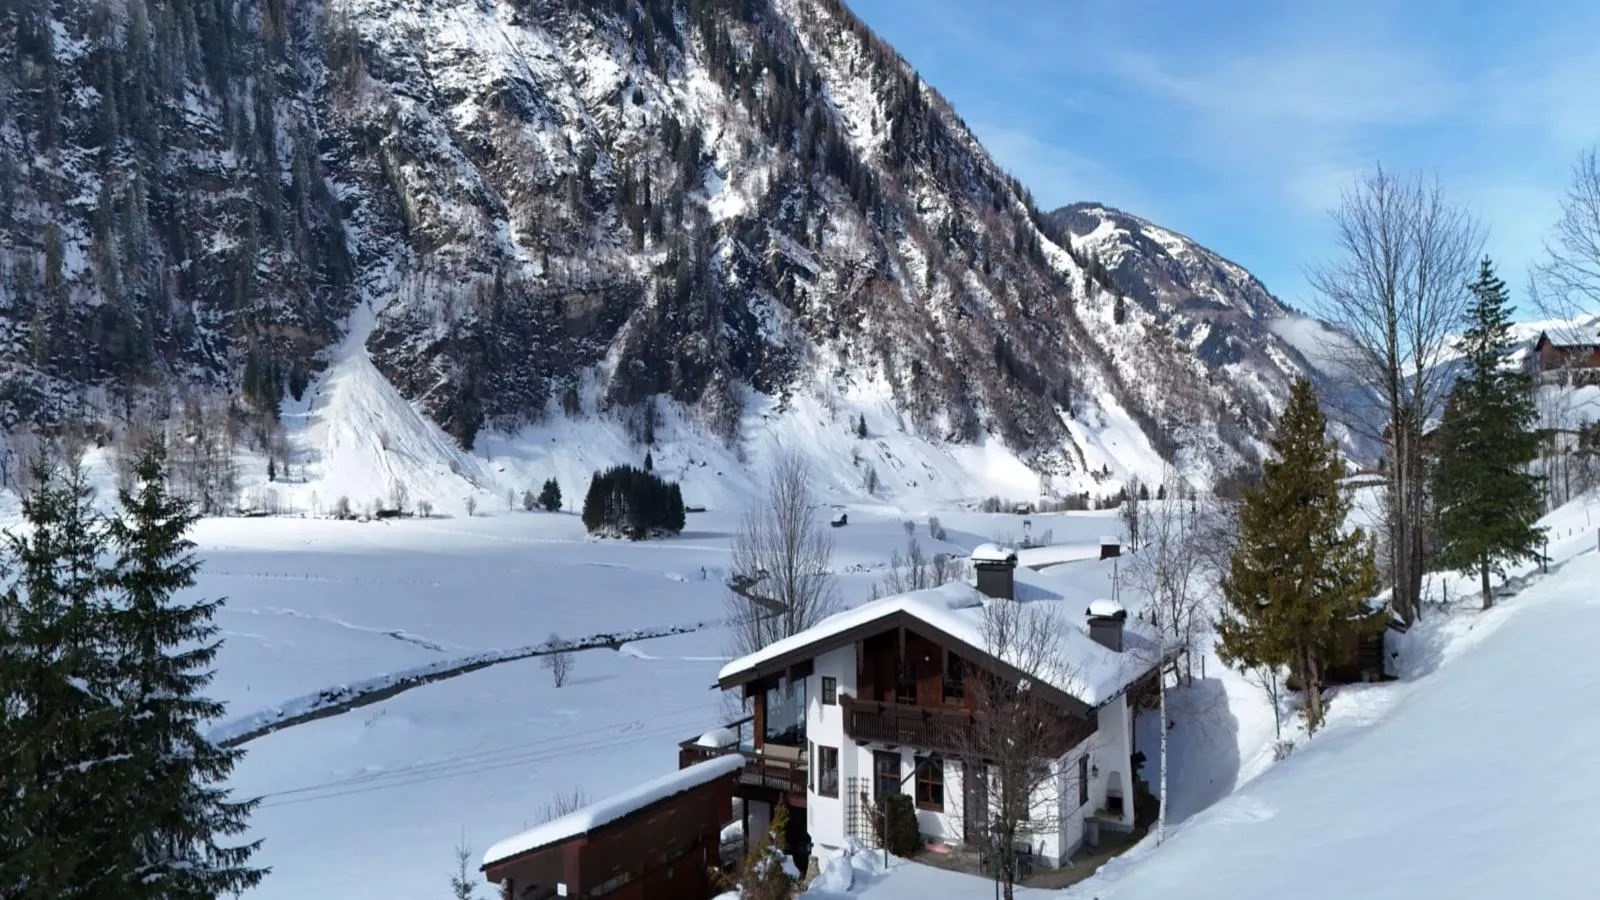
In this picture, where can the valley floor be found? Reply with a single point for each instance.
(371, 802)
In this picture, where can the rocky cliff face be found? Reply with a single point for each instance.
(528, 208)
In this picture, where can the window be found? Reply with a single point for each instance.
(1083, 779)
(955, 678)
(830, 690)
(786, 714)
(827, 771)
(885, 774)
(930, 783)
(905, 684)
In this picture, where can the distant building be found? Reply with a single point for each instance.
(1551, 354)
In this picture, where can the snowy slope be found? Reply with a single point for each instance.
(1423, 788)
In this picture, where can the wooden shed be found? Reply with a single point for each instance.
(657, 841)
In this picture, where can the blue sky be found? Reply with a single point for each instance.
(1238, 123)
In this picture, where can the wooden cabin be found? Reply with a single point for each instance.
(1551, 355)
(658, 841)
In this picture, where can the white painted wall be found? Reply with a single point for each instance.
(1108, 751)
(1113, 757)
(825, 816)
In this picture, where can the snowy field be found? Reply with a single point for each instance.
(372, 801)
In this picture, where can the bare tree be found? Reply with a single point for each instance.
(1566, 283)
(916, 571)
(425, 508)
(529, 501)
(1396, 289)
(562, 804)
(399, 495)
(558, 661)
(1131, 519)
(780, 582)
(1168, 569)
(1019, 745)
(341, 507)
(471, 504)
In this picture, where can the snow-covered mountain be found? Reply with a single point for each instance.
(574, 208)
(1213, 307)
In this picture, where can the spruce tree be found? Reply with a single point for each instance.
(1297, 586)
(550, 495)
(59, 834)
(176, 809)
(1487, 498)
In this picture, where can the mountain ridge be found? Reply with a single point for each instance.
(557, 208)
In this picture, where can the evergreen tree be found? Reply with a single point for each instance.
(550, 495)
(59, 834)
(649, 462)
(177, 808)
(627, 501)
(1298, 583)
(1487, 498)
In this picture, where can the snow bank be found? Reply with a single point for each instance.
(615, 807)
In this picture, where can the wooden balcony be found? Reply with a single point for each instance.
(938, 729)
(771, 767)
(923, 727)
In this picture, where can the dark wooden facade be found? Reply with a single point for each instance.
(664, 851)
(1552, 356)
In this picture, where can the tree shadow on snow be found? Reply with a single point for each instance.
(702, 535)
(1202, 748)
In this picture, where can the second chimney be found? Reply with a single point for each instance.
(996, 567)
(1106, 618)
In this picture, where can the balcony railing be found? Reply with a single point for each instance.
(778, 768)
(938, 729)
(924, 727)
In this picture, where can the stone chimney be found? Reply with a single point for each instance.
(1109, 547)
(1106, 618)
(996, 567)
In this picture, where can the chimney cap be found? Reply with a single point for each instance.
(1107, 609)
(994, 554)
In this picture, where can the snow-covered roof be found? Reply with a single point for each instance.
(615, 807)
(1080, 667)
(993, 553)
(1105, 609)
(1110, 541)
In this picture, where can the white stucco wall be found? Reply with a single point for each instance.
(825, 816)
(1108, 751)
(1112, 757)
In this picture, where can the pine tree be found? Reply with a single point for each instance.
(59, 731)
(1487, 498)
(176, 809)
(550, 495)
(1298, 583)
